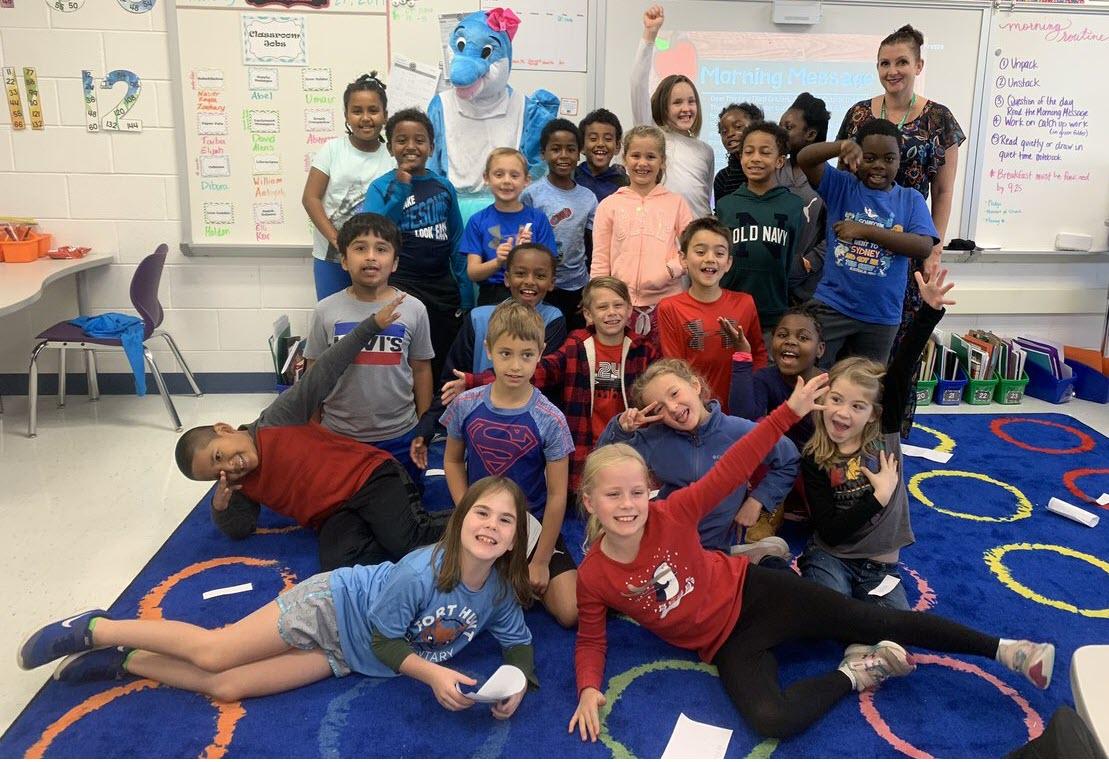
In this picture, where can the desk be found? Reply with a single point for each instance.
(22, 283)
(1089, 682)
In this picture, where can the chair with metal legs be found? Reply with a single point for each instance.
(65, 335)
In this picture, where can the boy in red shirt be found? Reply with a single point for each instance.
(359, 498)
(700, 325)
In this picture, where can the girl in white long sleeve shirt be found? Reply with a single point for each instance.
(676, 107)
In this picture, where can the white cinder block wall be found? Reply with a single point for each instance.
(120, 193)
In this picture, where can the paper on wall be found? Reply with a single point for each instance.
(697, 740)
(412, 84)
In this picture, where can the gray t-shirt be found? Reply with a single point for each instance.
(373, 400)
(570, 213)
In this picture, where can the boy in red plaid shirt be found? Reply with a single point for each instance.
(594, 368)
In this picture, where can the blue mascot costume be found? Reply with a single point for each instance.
(481, 111)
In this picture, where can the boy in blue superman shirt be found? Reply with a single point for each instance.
(874, 228)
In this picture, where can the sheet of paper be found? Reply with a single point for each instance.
(1073, 512)
(1104, 499)
(246, 587)
(885, 587)
(697, 740)
(923, 452)
(412, 84)
(534, 528)
(506, 681)
(435, 472)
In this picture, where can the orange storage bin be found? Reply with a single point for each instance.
(20, 251)
(44, 241)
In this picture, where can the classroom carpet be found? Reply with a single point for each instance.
(987, 553)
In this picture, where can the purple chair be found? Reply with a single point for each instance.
(63, 336)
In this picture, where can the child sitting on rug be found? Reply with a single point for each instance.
(646, 561)
(852, 465)
(681, 433)
(358, 498)
(401, 618)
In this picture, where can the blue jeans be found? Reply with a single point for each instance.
(398, 447)
(330, 278)
(854, 577)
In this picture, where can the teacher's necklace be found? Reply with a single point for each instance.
(912, 102)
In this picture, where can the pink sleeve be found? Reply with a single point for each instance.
(602, 241)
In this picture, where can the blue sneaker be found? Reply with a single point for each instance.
(99, 664)
(64, 637)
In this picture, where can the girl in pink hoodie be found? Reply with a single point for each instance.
(636, 230)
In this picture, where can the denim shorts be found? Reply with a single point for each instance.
(308, 621)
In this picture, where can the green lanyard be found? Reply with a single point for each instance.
(912, 102)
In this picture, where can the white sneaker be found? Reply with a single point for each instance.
(869, 666)
(1036, 661)
(767, 546)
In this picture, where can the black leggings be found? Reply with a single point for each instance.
(382, 521)
(779, 607)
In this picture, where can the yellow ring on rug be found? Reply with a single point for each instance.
(1024, 505)
(619, 683)
(994, 560)
(946, 443)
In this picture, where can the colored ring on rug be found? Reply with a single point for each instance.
(994, 560)
(1032, 719)
(927, 596)
(227, 717)
(946, 443)
(619, 683)
(1024, 505)
(1071, 477)
(1086, 442)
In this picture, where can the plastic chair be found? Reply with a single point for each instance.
(63, 336)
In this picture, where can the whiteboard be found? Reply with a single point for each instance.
(1045, 163)
(741, 55)
(260, 91)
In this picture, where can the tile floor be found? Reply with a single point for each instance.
(94, 496)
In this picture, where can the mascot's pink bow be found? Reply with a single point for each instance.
(503, 20)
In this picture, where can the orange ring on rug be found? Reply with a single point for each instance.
(1072, 476)
(150, 607)
(1032, 719)
(997, 426)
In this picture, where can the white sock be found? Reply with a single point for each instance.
(850, 676)
(1002, 642)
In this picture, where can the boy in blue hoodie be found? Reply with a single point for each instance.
(601, 133)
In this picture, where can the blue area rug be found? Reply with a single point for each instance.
(988, 553)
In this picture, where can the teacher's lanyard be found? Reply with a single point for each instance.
(912, 102)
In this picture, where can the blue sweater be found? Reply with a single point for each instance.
(678, 459)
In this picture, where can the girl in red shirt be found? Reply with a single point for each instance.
(646, 561)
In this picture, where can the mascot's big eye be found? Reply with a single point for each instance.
(460, 44)
(487, 51)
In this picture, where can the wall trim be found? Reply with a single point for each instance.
(15, 384)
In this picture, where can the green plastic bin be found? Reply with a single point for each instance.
(980, 391)
(925, 388)
(1010, 391)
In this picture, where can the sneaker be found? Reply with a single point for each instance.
(1036, 661)
(64, 637)
(869, 666)
(767, 526)
(99, 664)
(756, 551)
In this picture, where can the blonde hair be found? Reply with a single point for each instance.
(497, 153)
(647, 131)
(598, 460)
(613, 284)
(518, 320)
(511, 566)
(674, 367)
(867, 375)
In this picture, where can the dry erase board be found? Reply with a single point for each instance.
(1045, 160)
(260, 90)
(739, 54)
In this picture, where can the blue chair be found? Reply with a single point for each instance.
(65, 335)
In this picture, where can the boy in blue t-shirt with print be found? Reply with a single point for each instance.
(874, 228)
(425, 208)
(508, 428)
(569, 208)
(493, 231)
